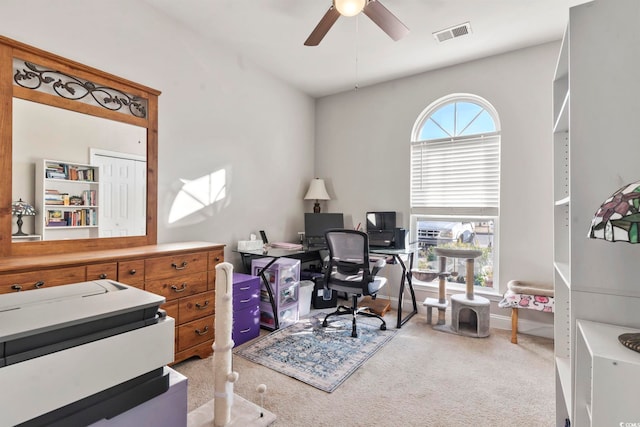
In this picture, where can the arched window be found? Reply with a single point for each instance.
(455, 157)
(455, 179)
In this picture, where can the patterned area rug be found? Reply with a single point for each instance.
(320, 357)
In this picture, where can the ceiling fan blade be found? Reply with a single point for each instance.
(323, 27)
(385, 20)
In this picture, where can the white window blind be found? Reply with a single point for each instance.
(456, 173)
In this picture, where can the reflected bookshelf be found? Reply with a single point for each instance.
(66, 200)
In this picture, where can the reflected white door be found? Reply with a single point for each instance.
(122, 195)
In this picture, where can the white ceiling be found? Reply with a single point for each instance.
(271, 33)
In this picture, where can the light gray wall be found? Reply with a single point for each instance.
(217, 111)
(362, 148)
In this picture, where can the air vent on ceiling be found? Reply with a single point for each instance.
(453, 32)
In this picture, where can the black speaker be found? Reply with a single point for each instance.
(401, 238)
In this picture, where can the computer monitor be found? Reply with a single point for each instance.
(315, 225)
(378, 221)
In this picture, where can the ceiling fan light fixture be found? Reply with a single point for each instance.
(374, 10)
(349, 7)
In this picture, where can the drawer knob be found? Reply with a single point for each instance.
(103, 276)
(217, 258)
(179, 289)
(16, 288)
(202, 306)
(132, 271)
(38, 284)
(179, 267)
(244, 331)
(245, 300)
(205, 331)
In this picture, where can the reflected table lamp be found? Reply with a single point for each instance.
(21, 209)
(618, 220)
(317, 191)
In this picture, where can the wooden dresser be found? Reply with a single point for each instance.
(184, 273)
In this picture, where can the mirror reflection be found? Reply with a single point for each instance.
(84, 175)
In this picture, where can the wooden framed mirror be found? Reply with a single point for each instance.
(36, 76)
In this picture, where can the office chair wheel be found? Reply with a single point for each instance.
(383, 327)
(324, 323)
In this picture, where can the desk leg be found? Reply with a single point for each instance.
(272, 301)
(406, 277)
(246, 262)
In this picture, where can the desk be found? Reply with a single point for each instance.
(406, 278)
(274, 254)
(314, 255)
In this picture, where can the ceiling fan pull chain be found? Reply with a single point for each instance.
(357, 44)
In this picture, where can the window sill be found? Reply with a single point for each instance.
(490, 293)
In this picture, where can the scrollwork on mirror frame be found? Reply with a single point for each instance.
(37, 77)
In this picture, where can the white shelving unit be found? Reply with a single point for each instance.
(27, 238)
(606, 376)
(66, 181)
(562, 233)
(594, 141)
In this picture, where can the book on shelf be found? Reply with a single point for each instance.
(81, 217)
(55, 175)
(69, 172)
(81, 173)
(89, 197)
(54, 197)
(56, 171)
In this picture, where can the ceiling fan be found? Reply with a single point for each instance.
(372, 8)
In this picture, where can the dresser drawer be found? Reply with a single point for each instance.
(196, 332)
(197, 306)
(172, 309)
(131, 273)
(38, 279)
(215, 258)
(175, 265)
(102, 271)
(184, 286)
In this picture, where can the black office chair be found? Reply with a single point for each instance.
(348, 270)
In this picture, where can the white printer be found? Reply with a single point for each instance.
(74, 354)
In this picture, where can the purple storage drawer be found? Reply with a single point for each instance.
(246, 308)
(246, 325)
(246, 291)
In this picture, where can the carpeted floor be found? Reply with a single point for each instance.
(420, 378)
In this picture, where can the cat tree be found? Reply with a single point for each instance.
(227, 408)
(470, 314)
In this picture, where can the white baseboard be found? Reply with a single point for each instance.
(525, 326)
